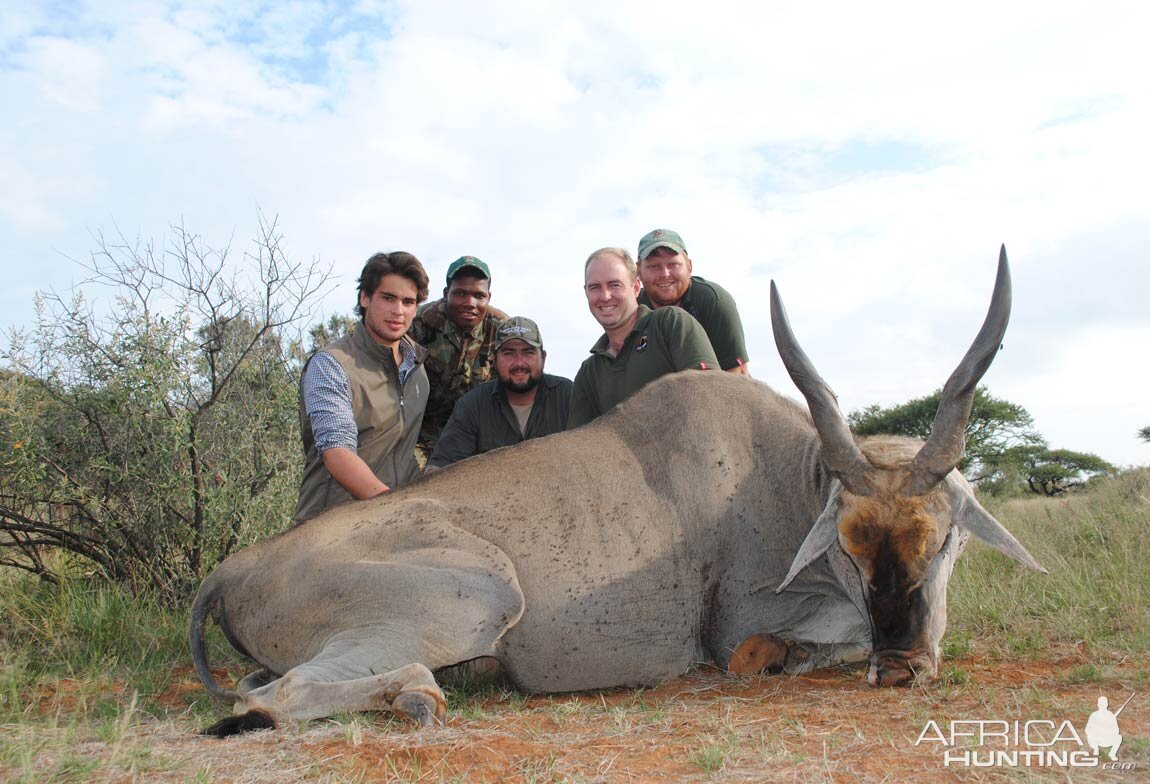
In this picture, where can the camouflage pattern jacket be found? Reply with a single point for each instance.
(456, 362)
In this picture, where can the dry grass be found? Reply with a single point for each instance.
(75, 706)
(826, 727)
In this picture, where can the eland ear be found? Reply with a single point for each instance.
(967, 513)
(823, 534)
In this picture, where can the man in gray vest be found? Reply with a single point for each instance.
(522, 401)
(362, 397)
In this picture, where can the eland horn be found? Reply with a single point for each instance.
(942, 451)
(842, 455)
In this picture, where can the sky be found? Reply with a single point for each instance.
(870, 158)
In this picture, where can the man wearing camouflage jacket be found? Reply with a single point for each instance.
(458, 332)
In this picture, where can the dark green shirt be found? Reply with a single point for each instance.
(715, 309)
(663, 341)
(483, 420)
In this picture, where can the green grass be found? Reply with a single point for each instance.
(1098, 590)
(117, 647)
(1084, 673)
(84, 663)
(715, 752)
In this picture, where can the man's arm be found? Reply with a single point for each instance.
(327, 402)
(354, 475)
(460, 436)
(563, 393)
(687, 341)
(584, 408)
(720, 318)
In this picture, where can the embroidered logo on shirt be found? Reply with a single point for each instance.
(642, 345)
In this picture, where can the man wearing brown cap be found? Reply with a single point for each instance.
(458, 332)
(665, 269)
(522, 402)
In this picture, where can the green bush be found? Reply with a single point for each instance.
(150, 437)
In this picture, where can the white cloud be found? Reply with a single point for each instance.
(531, 133)
(71, 74)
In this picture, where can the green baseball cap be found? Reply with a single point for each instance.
(660, 238)
(518, 328)
(463, 262)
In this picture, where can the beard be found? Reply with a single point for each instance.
(526, 386)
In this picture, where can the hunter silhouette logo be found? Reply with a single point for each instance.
(1034, 743)
(1102, 728)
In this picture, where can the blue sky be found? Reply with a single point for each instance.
(870, 158)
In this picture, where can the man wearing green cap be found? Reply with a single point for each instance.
(522, 402)
(638, 344)
(665, 269)
(458, 332)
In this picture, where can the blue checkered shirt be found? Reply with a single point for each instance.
(327, 399)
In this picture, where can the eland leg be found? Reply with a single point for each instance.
(440, 596)
(766, 653)
(409, 691)
(254, 680)
(322, 687)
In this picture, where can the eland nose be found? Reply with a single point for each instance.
(888, 676)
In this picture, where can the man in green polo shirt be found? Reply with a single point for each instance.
(665, 269)
(638, 344)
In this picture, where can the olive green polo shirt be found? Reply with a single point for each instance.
(714, 308)
(662, 341)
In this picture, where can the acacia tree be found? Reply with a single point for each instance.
(150, 436)
(1054, 471)
(995, 427)
(326, 332)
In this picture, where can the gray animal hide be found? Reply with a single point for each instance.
(617, 554)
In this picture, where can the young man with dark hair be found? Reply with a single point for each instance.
(362, 397)
(458, 332)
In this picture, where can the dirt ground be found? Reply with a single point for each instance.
(828, 726)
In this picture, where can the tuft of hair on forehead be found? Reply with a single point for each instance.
(903, 524)
(616, 254)
(889, 452)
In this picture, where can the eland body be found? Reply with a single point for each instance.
(708, 517)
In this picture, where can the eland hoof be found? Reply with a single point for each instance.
(236, 725)
(420, 707)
